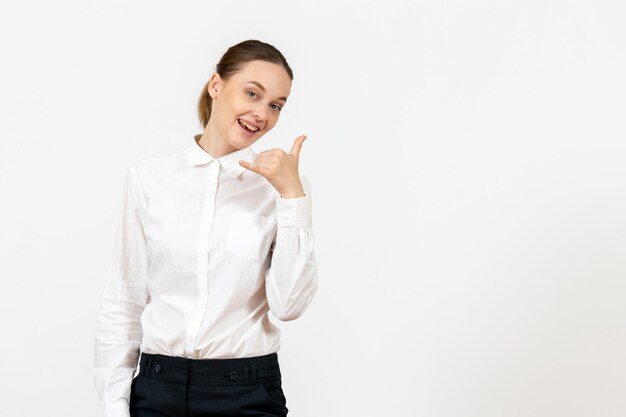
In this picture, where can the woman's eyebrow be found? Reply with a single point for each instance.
(258, 84)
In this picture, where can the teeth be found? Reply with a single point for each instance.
(252, 128)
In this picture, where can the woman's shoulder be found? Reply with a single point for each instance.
(157, 163)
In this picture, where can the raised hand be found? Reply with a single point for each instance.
(280, 169)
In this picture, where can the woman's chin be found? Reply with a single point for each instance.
(240, 143)
(244, 141)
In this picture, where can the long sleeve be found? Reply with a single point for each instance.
(291, 280)
(118, 334)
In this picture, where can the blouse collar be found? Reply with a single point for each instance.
(195, 155)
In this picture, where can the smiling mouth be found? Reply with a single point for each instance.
(246, 126)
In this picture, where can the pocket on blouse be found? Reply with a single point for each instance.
(250, 235)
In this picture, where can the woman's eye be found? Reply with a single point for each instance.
(276, 107)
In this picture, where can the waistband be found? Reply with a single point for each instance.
(231, 371)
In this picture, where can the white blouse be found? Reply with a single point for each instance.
(204, 249)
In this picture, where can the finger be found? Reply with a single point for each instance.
(248, 165)
(297, 146)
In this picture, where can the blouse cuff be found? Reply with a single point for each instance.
(293, 212)
(118, 408)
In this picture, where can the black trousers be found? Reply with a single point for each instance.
(168, 386)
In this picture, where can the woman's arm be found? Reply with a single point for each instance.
(291, 280)
(118, 333)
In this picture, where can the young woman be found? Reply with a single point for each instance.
(210, 239)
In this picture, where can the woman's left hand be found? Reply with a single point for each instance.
(280, 169)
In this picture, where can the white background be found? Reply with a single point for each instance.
(467, 163)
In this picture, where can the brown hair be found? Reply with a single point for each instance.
(232, 61)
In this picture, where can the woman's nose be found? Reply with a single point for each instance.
(260, 114)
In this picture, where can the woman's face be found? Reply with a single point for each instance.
(254, 95)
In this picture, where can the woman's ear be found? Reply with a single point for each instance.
(214, 84)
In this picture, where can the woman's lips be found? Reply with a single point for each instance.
(246, 131)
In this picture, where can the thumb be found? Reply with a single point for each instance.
(297, 146)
